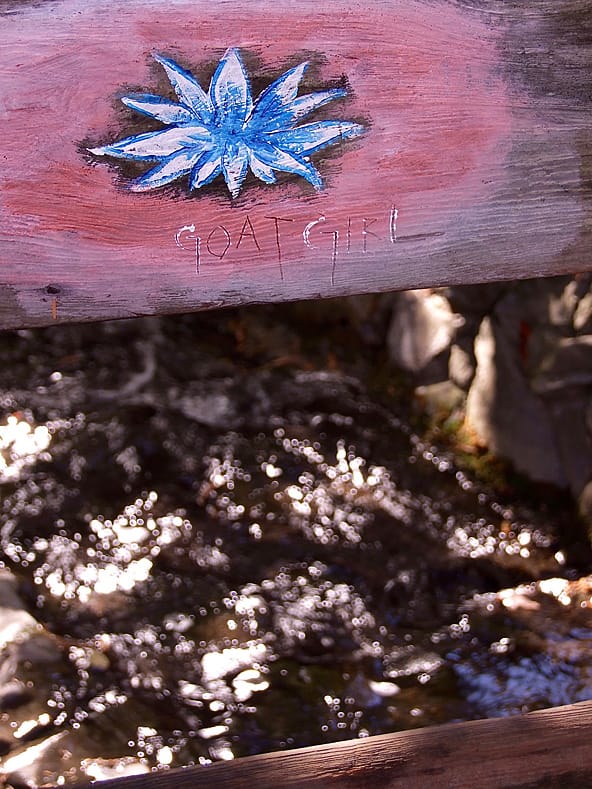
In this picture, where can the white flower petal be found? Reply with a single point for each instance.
(187, 88)
(235, 161)
(208, 167)
(262, 171)
(156, 145)
(312, 101)
(173, 168)
(159, 108)
(313, 136)
(223, 132)
(230, 92)
(282, 160)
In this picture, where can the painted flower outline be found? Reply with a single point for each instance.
(224, 132)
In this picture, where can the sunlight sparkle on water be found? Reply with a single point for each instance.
(21, 445)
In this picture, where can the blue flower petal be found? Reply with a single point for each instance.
(172, 168)
(313, 136)
(277, 96)
(208, 167)
(235, 162)
(262, 171)
(286, 162)
(159, 108)
(223, 132)
(156, 145)
(299, 108)
(187, 89)
(230, 92)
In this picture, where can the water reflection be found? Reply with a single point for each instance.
(229, 558)
(21, 445)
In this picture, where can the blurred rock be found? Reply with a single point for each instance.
(574, 440)
(15, 621)
(423, 326)
(105, 769)
(18, 628)
(582, 320)
(568, 364)
(561, 304)
(475, 300)
(29, 766)
(522, 352)
(440, 399)
(212, 408)
(505, 414)
(585, 505)
(13, 694)
(370, 316)
(462, 363)
(27, 650)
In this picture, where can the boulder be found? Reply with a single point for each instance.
(505, 413)
(567, 365)
(422, 327)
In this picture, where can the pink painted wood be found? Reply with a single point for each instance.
(474, 166)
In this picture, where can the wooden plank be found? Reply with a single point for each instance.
(463, 152)
(541, 750)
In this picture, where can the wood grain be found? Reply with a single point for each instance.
(475, 165)
(541, 750)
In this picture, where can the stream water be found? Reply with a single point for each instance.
(234, 542)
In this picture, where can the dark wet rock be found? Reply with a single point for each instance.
(40, 649)
(224, 404)
(22, 637)
(28, 651)
(38, 765)
(13, 694)
(208, 403)
(97, 748)
(542, 656)
(136, 381)
(585, 505)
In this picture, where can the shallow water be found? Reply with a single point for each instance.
(236, 544)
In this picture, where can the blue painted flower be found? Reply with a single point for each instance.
(224, 132)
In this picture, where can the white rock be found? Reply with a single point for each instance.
(15, 621)
(503, 411)
(105, 769)
(423, 326)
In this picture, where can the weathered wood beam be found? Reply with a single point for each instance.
(456, 147)
(541, 750)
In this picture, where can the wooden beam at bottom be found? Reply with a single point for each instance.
(540, 750)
